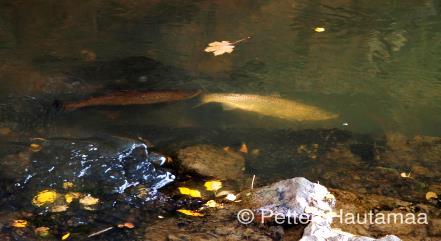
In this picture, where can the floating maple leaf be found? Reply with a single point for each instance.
(219, 48)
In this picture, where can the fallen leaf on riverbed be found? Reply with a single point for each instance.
(42, 231)
(190, 213)
(212, 204)
(65, 236)
(126, 225)
(67, 185)
(44, 197)
(59, 208)
(431, 196)
(213, 185)
(244, 148)
(35, 147)
(89, 202)
(69, 197)
(19, 223)
(189, 192)
(319, 29)
(405, 175)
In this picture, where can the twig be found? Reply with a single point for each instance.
(252, 182)
(100, 232)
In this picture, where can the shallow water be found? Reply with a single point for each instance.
(376, 64)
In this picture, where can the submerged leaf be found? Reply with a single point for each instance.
(213, 185)
(88, 200)
(44, 197)
(65, 236)
(190, 213)
(19, 223)
(405, 175)
(431, 195)
(67, 185)
(35, 147)
(319, 29)
(212, 204)
(126, 225)
(244, 148)
(42, 231)
(69, 197)
(189, 192)
(59, 208)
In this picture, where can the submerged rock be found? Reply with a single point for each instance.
(292, 198)
(212, 161)
(297, 199)
(99, 166)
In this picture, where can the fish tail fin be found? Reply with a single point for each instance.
(203, 99)
(57, 105)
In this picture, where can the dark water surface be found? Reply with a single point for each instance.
(377, 64)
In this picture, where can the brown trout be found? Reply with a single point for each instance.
(130, 98)
(270, 106)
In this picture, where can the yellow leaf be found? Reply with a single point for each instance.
(70, 196)
(213, 185)
(212, 204)
(319, 29)
(67, 185)
(405, 175)
(19, 223)
(431, 195)
(244, 148)
(44, 197)
(219, 48)
(126, 225)
(35, 147)
(189, 192)
(42, 231)
(59, 208)
(88, 200)
(190, 213)
(65, 236)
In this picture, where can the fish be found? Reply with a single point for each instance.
(122, 98)
(272, 106)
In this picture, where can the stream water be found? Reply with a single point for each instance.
(374, 63)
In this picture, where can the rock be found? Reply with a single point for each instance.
(298, 198)
(212, 161)
(113, 166)
(292, 198)
(321, 230)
